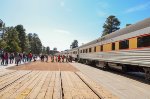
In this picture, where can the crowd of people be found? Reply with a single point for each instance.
(11, 58)
(43, 58)
(61, 58)
(17, 58)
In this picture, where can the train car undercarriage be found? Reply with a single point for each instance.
(122, 67)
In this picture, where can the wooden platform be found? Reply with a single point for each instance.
(45, 85)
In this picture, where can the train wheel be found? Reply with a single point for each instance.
(147, 74)
(124, 69)
(105, 66)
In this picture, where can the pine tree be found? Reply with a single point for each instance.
(74, 44)
(47, 50)
(35, 43)
(111, 25)
(12, 40)
(22, 37)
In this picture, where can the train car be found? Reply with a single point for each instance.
(127, 49)
(74, 53)
(65, 53)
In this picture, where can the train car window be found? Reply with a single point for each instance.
(101, 47)
(113, 46)
(94, 49)
(124, 44)
(89, 50)
(143, 41)
(86, 50)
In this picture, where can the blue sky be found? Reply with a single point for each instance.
(59, 22)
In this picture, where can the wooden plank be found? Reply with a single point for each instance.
(66, 86)
(101, 91)
(6, 72)
(35, 91)
(83, 89)
(8, 76)
(50, 89)
(77, 93)
(78, 90)
(57, 88)
(8, 82)
(72, 86)
(44, 88)
(25, 92)
(35, 78)
(15, 86)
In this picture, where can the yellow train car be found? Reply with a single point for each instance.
(126, 49)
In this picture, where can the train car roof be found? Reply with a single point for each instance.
(131, 28)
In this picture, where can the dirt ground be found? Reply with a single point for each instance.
(45, 66)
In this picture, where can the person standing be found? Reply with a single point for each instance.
(11, 58)
(70, 58)
(3, 58)
(17, 58)
(30, 56)
(67, 58)
(58, 58)
(52, 58)
(24, 57)
(63, 57)
(6, 58)
(34, 58)
(46, 56)
(20, 58)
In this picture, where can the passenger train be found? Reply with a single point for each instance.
(127, 49)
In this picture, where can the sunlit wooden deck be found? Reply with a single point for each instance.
(22, 84)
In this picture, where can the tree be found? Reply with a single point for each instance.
(12, 40)
(111, 25)
(22, 37)
(48, 50)
(3, 44)
(27, 49)
(35, 43)
(1, 23)
(128, 25)
(55, 49)
(43, 49)
(74, 44)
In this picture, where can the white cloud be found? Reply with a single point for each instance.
(61, 31)
(59, 38)
(138, 8)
